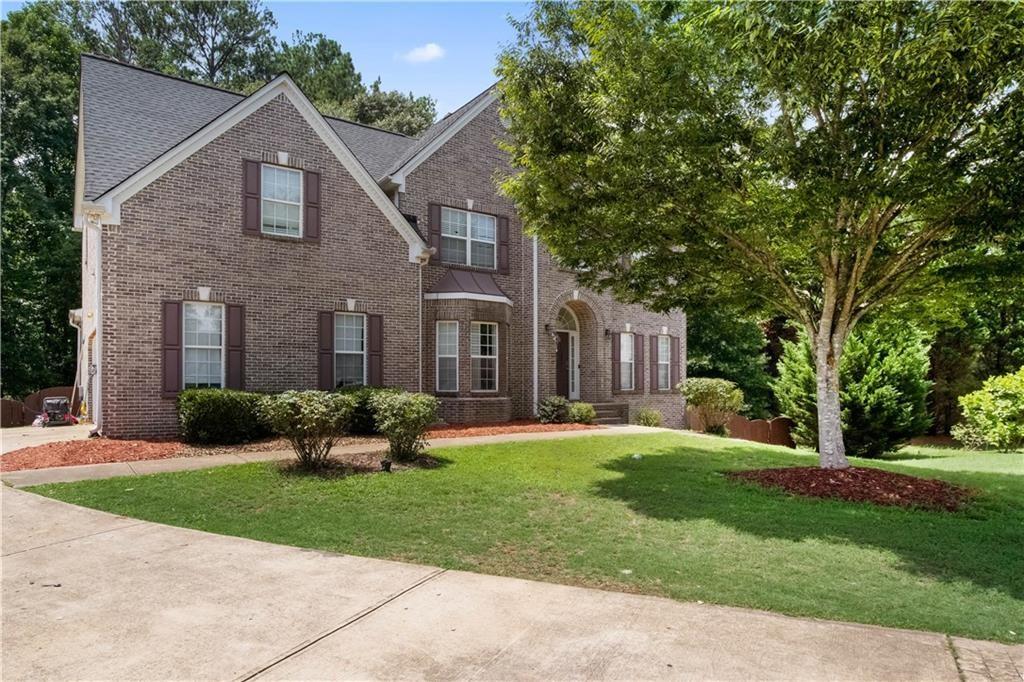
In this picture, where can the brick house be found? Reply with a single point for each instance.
(250, 242)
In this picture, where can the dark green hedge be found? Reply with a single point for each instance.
(362, 421)
(220, 416)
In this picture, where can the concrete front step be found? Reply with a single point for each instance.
(609, 420)
(611, 413)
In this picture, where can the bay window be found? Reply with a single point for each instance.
(447, 356)
(484, 355)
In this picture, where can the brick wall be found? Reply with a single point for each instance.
(184, 231)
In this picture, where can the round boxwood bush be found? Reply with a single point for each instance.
(312, 421)
(582, 413)
(647, 416)
(220, 416)
(403, 418)
(553, 410)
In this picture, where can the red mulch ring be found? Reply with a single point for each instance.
(858, 484)
(93, 451)
(498, 428)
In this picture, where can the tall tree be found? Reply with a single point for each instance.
(725, 346)
(389, 109)
(220, 41)
(801, 159)
(40, 252)
(322, 69)
(130, 32)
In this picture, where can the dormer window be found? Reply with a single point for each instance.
(468, 238)
(281, 201)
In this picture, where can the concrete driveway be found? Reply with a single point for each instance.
(17, 437)
(89, 595)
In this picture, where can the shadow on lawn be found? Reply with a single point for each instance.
(981, 544)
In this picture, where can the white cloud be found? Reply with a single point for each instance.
(424, 53)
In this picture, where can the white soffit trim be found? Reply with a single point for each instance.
(399, 175)
(282, 85)
(465, 296)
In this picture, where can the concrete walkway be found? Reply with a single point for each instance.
(17, 437)
(89, 595)
(30, 477)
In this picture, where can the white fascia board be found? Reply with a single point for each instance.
(282, 85)
(399, 175)
(466, 296)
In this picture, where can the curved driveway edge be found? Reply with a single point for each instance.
(92, 595)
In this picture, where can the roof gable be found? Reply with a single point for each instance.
(109, 202)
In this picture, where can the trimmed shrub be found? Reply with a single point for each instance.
(582, 413)
(716, 400)
(884, 377)
(221, 416)
(647, 416)
(403, 418)
(993, 416)
(312, 421)
(363, 421)
(553, 410)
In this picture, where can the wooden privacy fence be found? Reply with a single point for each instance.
(775, 431)
(22, 412)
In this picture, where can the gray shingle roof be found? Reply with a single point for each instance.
(131, 116)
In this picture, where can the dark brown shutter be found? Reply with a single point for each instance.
(616, 361)
(674, 367)
(654, 363)
(235, 370)
(170, 349)
(375, 350)
(638, 363)
(434, 227)
(325, 351)
(502, 245)
(251, 197)
(311, 228)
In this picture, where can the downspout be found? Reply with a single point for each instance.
(97, 387)
(419, 317)
(536, 322)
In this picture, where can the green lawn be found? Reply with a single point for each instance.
(954, 459)
(584, 511)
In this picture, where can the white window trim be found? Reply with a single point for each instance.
(350, 352)
(438, 356)
(496, 356)
(631, 362)
(468, 239)
(223, 339)
(664, 361)
(301, 202)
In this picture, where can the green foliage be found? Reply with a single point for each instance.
(388, 109)
(223, 416)
(363, 421)
(311, 421)
(582, 413)
(994, 415)
(40, 255)
(404, 418)
(883, 394)
(802, 159)
(553, 410)
(320, 67)
(716, 400)
(647, 416)
(722, 345)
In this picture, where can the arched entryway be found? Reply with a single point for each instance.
(567, 354)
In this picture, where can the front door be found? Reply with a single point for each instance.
(567, 365)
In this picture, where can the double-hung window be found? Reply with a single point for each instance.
(349, 349)
(204, 345)
(484, 355)
(281, 200)
(468, 238)
(664, 362)
(626, 361)
(447, 356)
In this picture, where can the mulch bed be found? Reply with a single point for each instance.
(858, 484)
(499, 428)
(92, 451)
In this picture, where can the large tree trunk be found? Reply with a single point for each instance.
(831, 449)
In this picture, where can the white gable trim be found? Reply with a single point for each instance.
(398, 176)
(282, 85)
(466, 296)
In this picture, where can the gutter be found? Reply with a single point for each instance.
(536, 339)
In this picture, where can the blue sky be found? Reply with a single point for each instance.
(443, 49)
